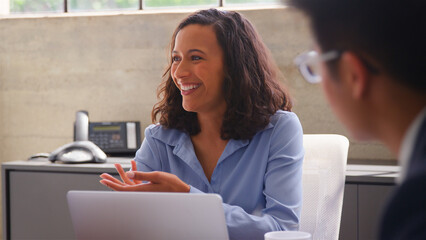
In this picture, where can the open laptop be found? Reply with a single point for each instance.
(146, 215)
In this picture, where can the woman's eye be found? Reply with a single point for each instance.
(175, 58)
(195, 58)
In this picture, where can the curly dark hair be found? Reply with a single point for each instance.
(251, 87)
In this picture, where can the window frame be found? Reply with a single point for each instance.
(6, 13)
(5, 6)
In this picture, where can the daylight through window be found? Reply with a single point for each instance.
(58, 6)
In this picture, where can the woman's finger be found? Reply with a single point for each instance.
(154, 177)
(106, 176)
(131, 175)
(134, 168)
(123, 175)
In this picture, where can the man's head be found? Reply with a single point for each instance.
(371, 56)
(387, 35)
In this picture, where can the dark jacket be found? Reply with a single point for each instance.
(404, 217)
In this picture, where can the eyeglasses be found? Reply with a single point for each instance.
(308, 64)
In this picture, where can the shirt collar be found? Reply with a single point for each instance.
(408, 144)
(178, 138)
(184, 149)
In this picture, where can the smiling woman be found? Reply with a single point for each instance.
(224, 127)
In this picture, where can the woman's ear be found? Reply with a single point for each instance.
(355, 74)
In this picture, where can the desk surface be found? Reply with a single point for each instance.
(372, 173)
(356, 173)
(45, 165)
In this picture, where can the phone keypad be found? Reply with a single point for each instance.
(107, 140)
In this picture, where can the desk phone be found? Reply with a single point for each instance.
(116, 137)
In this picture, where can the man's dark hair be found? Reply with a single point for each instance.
(251, 87)
(390, 32)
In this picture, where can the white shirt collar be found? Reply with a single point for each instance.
(407, 145)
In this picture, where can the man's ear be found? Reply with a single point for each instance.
(355, 74)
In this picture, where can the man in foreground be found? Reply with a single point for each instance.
(371, 60)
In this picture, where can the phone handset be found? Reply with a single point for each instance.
(81, 127)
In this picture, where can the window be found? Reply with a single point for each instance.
(234, 2)
(101, 5)
(30, 6)
(58, 6)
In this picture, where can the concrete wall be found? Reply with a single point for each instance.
(110, 65)
(50, 67)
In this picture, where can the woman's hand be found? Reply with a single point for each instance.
(154, 181)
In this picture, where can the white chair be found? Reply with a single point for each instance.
(323, 184)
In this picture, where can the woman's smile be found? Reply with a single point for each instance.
(188, 88)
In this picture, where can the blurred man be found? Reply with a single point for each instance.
(371, 59)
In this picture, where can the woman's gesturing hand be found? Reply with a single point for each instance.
(144, 181)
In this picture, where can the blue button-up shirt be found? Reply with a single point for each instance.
(260, 180)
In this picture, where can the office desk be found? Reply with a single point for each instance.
(367, 189)
(35, 206)
(34, 196)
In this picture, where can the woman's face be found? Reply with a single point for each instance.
(198, 70)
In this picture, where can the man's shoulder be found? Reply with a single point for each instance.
(418, 156)
(405, 214)
(421, 140)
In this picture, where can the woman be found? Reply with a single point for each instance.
(224, 127)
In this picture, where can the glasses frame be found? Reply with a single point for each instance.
(306, 59)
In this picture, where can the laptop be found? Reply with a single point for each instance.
(146, 215)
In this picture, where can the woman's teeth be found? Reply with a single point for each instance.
(189, 87)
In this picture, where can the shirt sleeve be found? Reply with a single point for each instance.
(282, 186)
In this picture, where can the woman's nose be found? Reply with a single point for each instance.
(181, 70)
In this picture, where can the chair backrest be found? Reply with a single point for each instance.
(323, 184)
